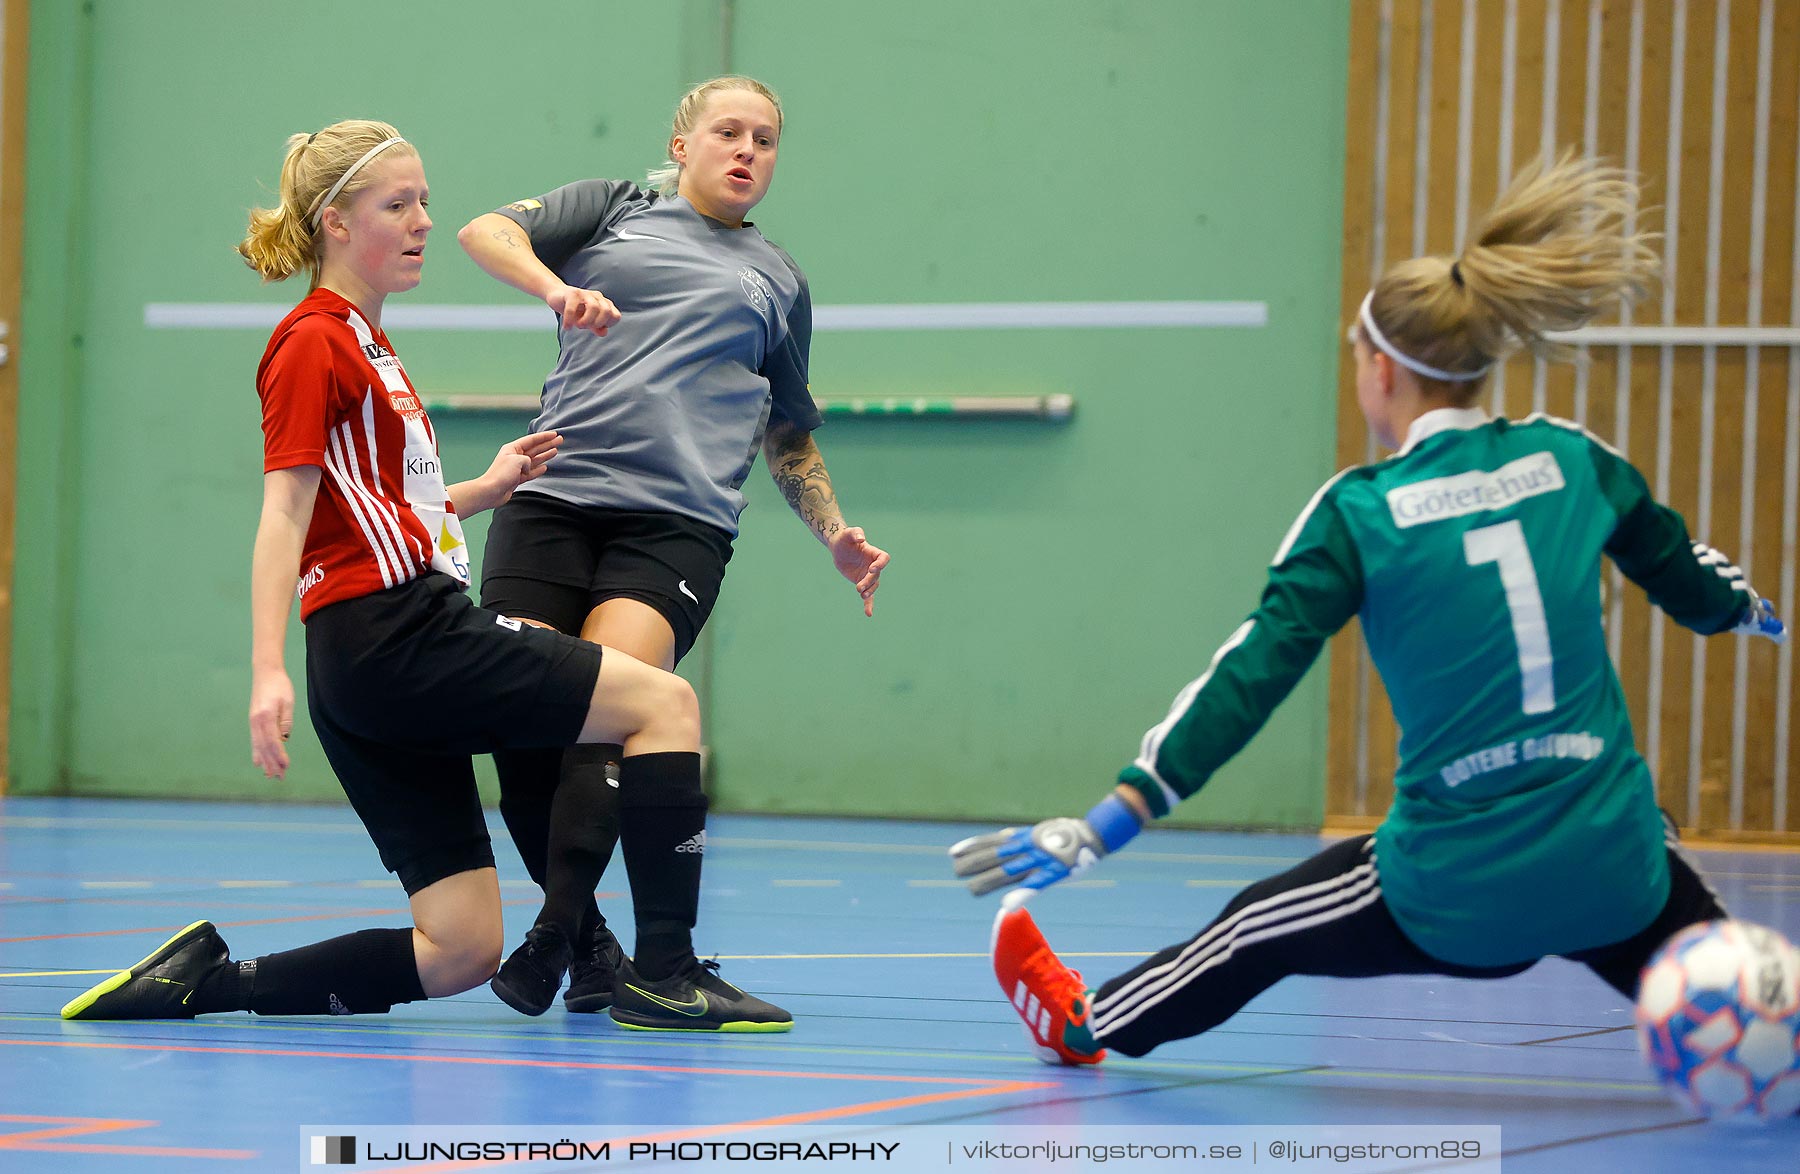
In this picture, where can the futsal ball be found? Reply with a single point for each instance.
(1718, 1017)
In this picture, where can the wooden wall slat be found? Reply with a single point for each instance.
(1771, 444)
(1778, 276)
(1567, 119)
(1685, 408)
(1404, 81)
(1359, 175)
(1529, 54)
(1734, 194)
(1705, 444)
(1642, 426)
(1784, 140)
(1484, 166)
(1446, 89)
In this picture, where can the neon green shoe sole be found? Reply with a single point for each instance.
(740, 1028)
(162, 986)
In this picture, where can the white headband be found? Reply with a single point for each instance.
(1374, 335)
(319, 209)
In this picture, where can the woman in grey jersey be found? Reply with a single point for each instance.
(684, 339)
(405, 678)
(1524, 823)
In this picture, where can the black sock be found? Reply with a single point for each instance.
(362, 973)
(584, 829)
(663, 822)
(225, 989)
(528, 784)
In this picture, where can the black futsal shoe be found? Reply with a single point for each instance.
(595, 973)
(694, 998)
(528, 981)
(162, 986)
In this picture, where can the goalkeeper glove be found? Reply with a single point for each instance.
(1053, 850)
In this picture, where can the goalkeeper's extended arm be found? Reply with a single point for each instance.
(1758, 618)
(1053, 850)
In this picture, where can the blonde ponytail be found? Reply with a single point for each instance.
(279, 243)
(281, 240)
(1552, 255)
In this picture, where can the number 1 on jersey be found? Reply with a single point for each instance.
(1504, 544)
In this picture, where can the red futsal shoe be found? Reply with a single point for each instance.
(1048, 996)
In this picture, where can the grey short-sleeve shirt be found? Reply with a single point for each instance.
(667, 411)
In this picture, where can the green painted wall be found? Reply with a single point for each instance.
(1053, 586)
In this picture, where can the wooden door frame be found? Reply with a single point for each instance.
(15, 28)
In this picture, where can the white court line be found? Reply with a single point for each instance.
(901, 316)
(256, 884)
(125, 884)
(804, 883)
(97, 823)
(886, 957)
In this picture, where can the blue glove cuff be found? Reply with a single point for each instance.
(1114, 822)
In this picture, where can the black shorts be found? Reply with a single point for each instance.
(405, 684)
(554, 562)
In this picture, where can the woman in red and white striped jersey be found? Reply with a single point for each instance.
(406, 678)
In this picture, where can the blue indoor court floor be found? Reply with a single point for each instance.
(856, 927)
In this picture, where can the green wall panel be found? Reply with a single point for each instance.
(1053, 585)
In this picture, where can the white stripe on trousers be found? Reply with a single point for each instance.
(1278, 916)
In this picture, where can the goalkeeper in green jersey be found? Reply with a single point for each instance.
(1524, 822)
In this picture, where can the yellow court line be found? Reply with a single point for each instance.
(1645, 1086)
(721, 957)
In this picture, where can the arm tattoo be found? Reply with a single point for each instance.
(799, 472)
(506, 237)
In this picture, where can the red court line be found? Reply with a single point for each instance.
(995, 1088)
(981, 1087)
(503, 1062)
(38, 1140)
(130, 1151)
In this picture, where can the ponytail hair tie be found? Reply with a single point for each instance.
(1456, 273)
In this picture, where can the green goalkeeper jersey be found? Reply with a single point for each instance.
(1524, 822)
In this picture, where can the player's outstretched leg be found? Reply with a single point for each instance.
(163, 985)
(1049, 997)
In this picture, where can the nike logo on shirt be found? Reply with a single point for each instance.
(626, 234)
(683, 588)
